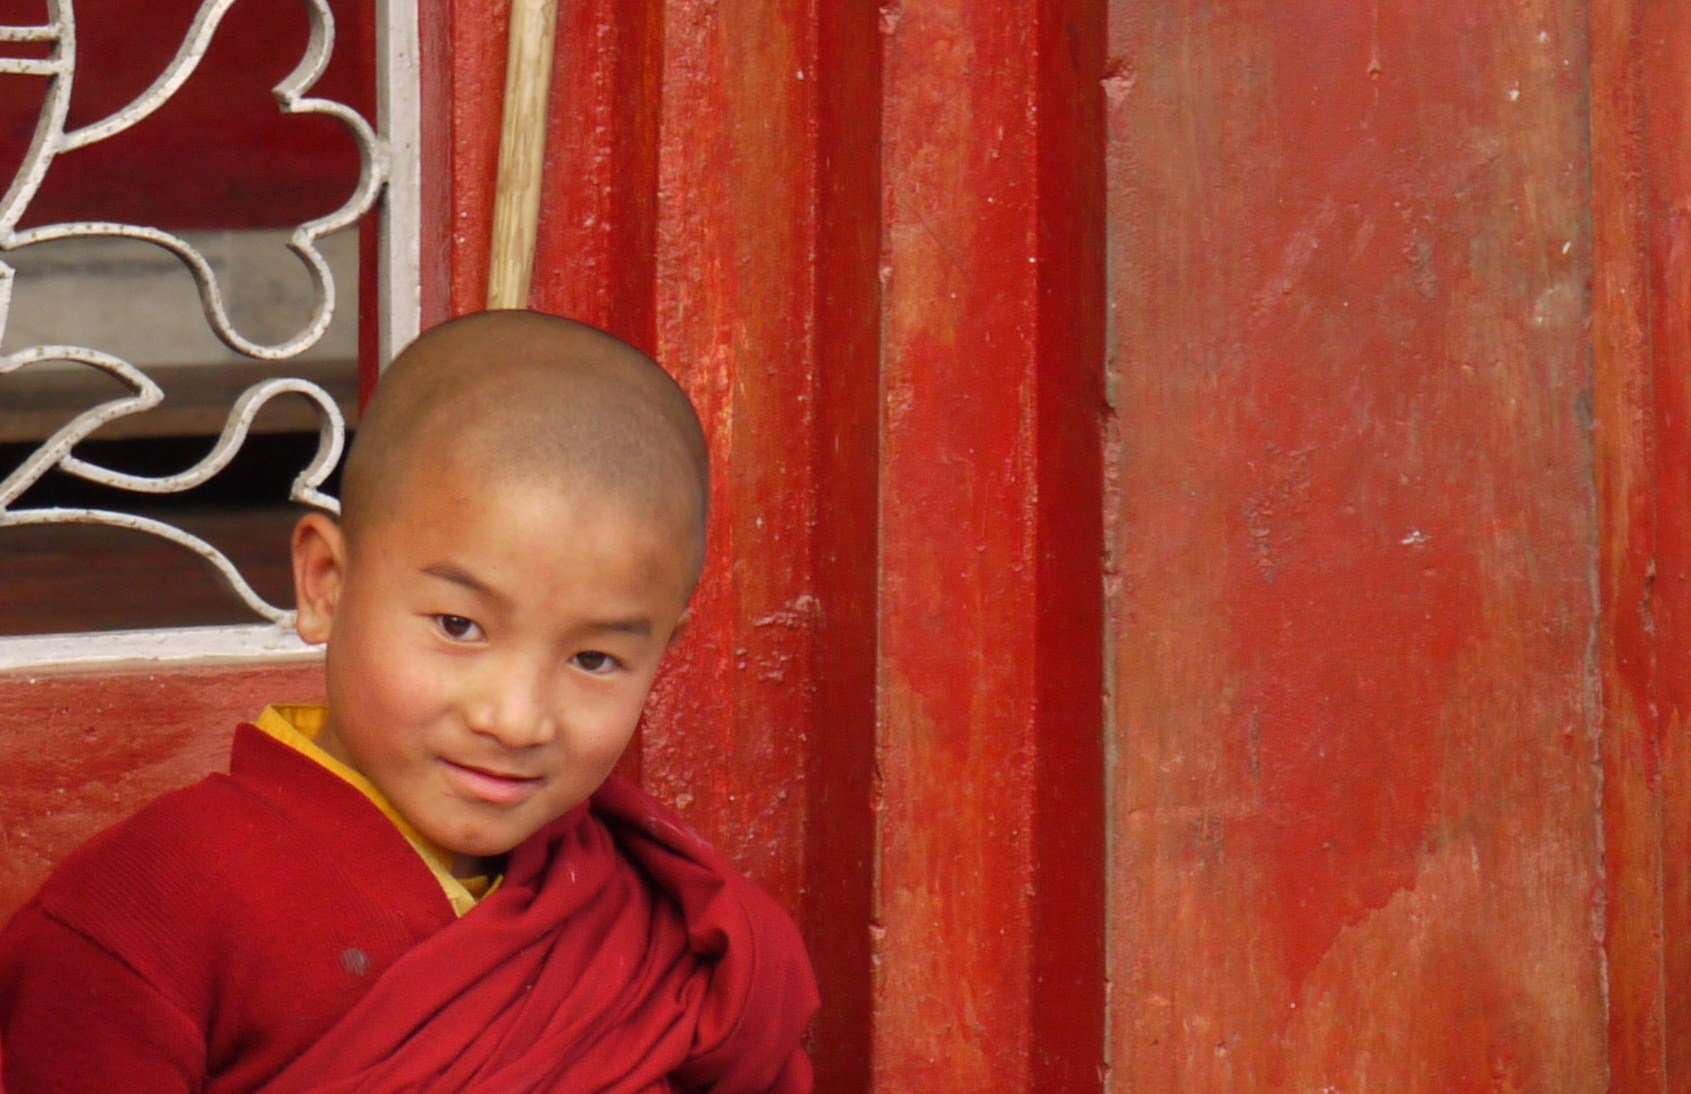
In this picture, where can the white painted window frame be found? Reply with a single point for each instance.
(399, 309)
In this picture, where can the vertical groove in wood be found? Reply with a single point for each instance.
(839, 838)
(1067, 956)
(478, 31)
(1664, 46)
(435, 72)
(1625, 466)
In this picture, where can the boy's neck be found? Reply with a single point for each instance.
(464, 866)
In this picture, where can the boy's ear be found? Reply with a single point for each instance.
(319, 554)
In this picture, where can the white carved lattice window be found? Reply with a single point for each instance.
(230, 339)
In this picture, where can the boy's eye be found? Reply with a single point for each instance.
(457, 628)
(595, 662)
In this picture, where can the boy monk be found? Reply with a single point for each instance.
(431, 883)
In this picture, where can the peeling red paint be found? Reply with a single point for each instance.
(596, 254)
(476, 78)
(1631, 900)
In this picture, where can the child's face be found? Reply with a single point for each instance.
(491, 645)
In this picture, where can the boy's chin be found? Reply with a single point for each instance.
(471, 857)
(463, 835)
(484, 846)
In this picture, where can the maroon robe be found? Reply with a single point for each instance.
(273, 926)
(575, 975)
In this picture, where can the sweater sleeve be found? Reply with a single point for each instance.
(75, 1017)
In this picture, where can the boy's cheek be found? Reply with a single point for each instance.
(405, 687)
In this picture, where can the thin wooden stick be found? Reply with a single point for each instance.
(522, 151)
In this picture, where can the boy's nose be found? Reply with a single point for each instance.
(512, 707)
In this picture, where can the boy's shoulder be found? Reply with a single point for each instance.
(158, 886)
(133, 901)
(169, 847)
(233, 849)
(249, 910)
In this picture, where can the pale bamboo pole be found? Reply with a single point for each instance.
(522, 152)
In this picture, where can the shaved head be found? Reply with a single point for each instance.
(521, 395)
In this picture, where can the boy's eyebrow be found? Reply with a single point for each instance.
(638, 625)
(446, 571)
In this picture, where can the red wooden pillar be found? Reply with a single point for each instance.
(471, 66)
(710, 195)
(596, 256)
(989, 902)
(727, 734)
(763, 306)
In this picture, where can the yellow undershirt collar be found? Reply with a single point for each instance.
(299, 726)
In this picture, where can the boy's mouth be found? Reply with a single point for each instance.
(495, 787)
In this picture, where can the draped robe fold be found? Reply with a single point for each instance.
(575, 975)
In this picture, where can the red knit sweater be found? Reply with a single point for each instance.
(210, 940)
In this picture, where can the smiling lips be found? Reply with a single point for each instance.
(491, 786)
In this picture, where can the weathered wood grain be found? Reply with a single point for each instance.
(475, 77)
(1357, 798)
(840, 828)
(596, 254)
